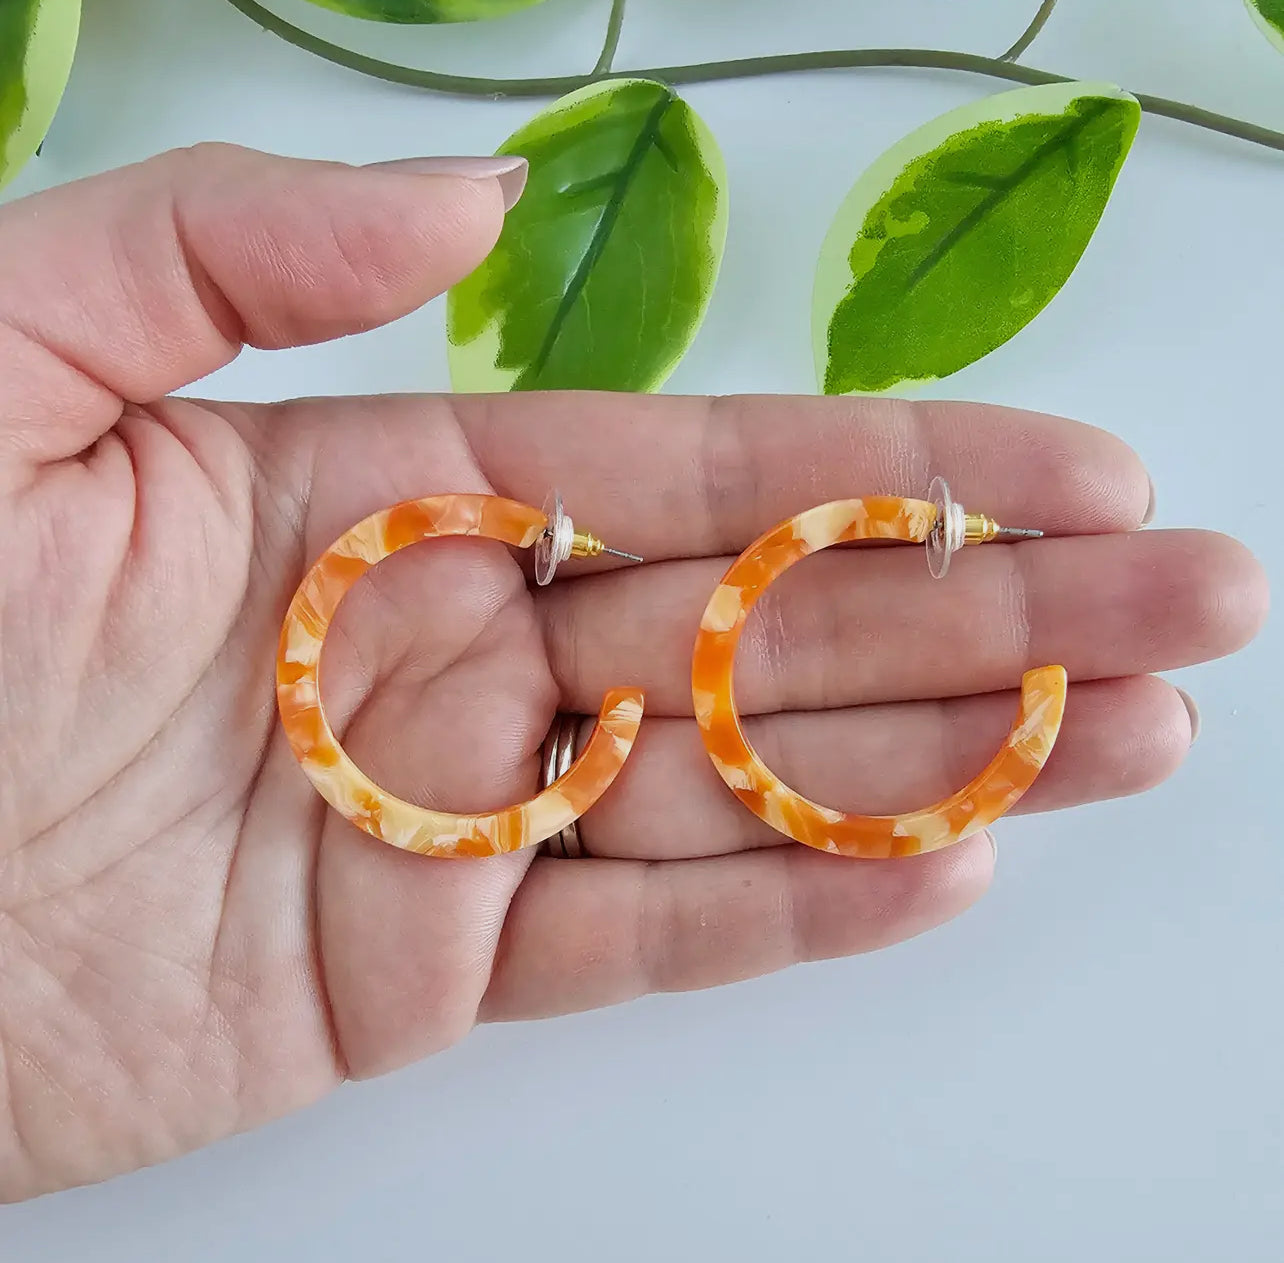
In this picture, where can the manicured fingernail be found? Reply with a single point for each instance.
(1193, 711)
(510, 170)
(1150, 507)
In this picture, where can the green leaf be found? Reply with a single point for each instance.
(1270, 17)
(605, 267)
(37, 44)
(425, 11)
(958, 236)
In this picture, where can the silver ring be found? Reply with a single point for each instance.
(558, 755)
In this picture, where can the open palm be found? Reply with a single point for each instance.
(190, 942)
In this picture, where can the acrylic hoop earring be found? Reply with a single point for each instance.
(338, 779)
(944, 527)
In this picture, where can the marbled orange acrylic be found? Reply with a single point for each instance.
(995, 791)
(344, 785)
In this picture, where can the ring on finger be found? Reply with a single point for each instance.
(557, 756)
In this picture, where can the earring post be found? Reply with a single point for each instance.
(979, 529)
(616, 552)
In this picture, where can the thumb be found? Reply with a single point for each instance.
(126, 286)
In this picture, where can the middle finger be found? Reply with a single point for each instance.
(854, 626)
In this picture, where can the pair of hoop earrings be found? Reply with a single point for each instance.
(574, 785)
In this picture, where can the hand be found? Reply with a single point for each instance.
(190, 942)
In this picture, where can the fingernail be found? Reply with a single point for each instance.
(510, 170)
(1193, 711)
(994, 846)
(1150, 507)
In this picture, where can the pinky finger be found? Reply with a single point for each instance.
(583, 934)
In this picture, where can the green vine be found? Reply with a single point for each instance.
(614, 24)
(1031, 32)
(1004, 67)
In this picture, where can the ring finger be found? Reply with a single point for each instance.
(1120, 737)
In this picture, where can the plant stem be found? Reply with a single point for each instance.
(1031, 32)
(744, 68)
(613, 27)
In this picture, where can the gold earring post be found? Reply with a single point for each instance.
(560, 541)
(979, 529)
(954, 527)
(586, 544)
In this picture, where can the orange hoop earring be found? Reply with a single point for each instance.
(944, 527)
(338, 779)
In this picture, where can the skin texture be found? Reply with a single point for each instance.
(989, 795)
(191, 941)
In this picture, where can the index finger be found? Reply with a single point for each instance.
(667, 476)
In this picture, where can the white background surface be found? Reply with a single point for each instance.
(1085, 1067)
